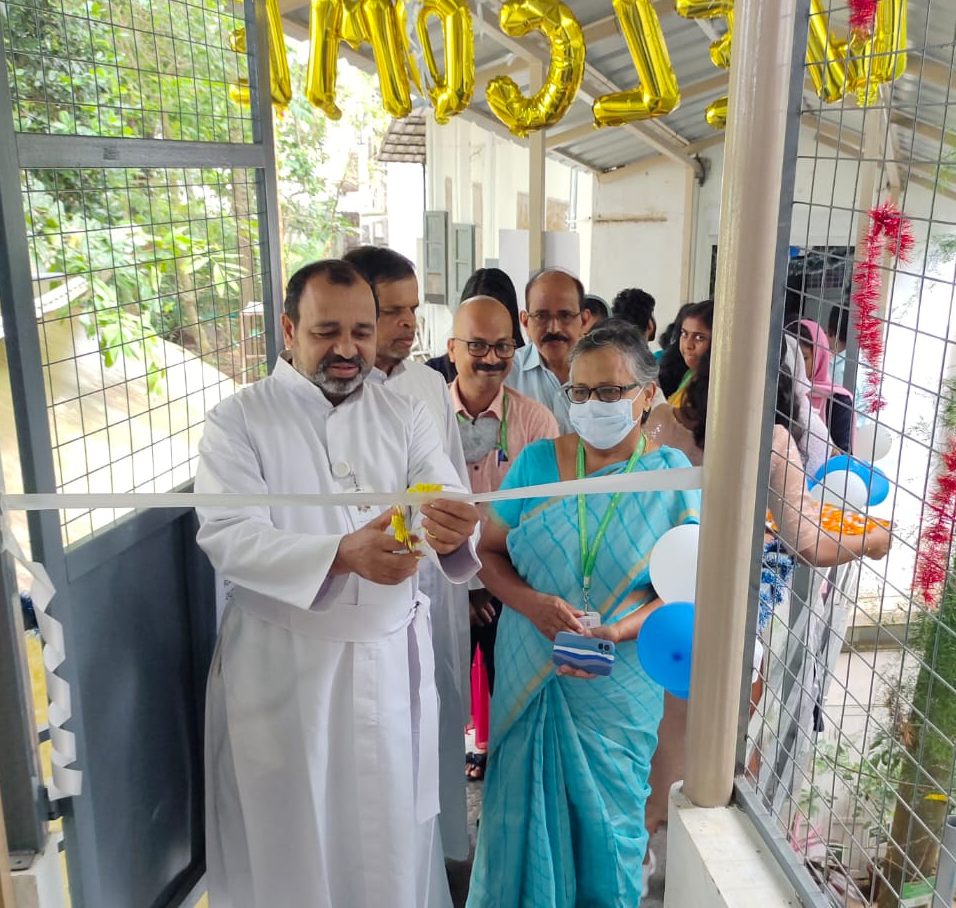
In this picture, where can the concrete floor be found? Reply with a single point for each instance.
(459, 872)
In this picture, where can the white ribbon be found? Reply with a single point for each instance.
(683, 479)
(66, 782)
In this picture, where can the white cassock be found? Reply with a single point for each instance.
(321, 715)
(451, 625)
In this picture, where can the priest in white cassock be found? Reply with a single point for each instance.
(393, 281)
(322, 724)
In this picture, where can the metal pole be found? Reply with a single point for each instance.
(6, 883)
(760, 82)
(537, 163)
(267, 187)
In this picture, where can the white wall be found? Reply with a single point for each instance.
(404, 187)
(637, 226)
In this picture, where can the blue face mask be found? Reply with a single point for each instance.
(603, 425)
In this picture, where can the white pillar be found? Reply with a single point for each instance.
(760, 78)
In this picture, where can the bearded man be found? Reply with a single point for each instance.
(322, 715)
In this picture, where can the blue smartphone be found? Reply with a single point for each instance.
(589, 654)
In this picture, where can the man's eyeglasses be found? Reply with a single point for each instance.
(563, 317)
(608, 394)
(479, 349)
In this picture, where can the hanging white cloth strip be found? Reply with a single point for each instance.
(66, 782)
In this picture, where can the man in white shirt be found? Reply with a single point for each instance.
(393, 281)
(321, 726)
(554, 318)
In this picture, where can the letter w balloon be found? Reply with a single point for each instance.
(558, 24)
(450, 90)
(357, 22)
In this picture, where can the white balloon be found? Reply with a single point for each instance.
(673, 565)
(842, 489)
(872, 442)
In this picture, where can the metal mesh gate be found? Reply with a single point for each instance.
(848, 750)
(138, 289)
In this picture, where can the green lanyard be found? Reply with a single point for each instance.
(502, 430)
(685, 381)
(589, 554)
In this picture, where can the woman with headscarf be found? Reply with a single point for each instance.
(832, 402)
(491, 282)
(813, 439)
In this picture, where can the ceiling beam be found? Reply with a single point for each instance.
(569, 134)
(933, 186)
(703, 144)
(718, 85)
(607, 27)
(924, 130)
(936, 72)
(888, 147)
(849, 141)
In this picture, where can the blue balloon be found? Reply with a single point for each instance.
(665, 646)
(874, 478)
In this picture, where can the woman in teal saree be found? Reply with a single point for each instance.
(562, 821)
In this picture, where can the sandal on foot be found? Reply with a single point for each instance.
(475, 766)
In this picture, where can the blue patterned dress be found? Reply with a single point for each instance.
(562, 821)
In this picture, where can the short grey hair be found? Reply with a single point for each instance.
(627, 340)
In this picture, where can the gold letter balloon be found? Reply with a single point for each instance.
(657, 93)
(449, 88)
(558, 24)
(280, 78)
(880, 56)
(862, 63)
(716, 113)
(357, 22)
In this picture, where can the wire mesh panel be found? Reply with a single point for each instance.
(143, 279)
(148, 69)
(137, 291)
(851, 742)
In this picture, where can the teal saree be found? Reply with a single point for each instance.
(562, 821)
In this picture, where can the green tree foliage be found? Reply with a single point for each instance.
(165, 253)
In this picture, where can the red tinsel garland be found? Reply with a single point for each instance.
(889, 227)
(933, 552)
(862, 14)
